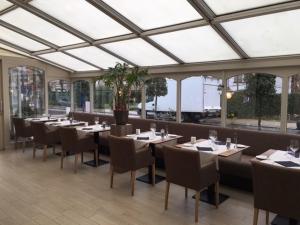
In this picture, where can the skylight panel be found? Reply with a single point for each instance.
(20, 40)
(4, 4)
(229, 6)
(139, 52)
(39, 27)
(96, 56)
(82, 16)
(196, 45)
(155, 13)
(67, 61)
(268, 35)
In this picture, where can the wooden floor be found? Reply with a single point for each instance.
(36, 192)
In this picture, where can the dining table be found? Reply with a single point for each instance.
(95, 130)
(43, 119)
(209, 152)
(281, 159)
(152, 139)
(65, 123)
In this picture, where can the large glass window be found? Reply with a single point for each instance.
(81, 90)
(59, 96)
(161, 99)
(293, 123)
(254, 101)
(201, 100)
(103, 98)
(135, 103)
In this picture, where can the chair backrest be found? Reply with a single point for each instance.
(68, 137)
(276, 189)
(39, 132)
(19, 125)
(182, 167)
(122, 153)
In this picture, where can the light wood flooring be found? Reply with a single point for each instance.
(37, 192)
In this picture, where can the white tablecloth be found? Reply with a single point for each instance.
(281, 156)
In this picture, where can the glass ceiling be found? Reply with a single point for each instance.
(199, 44)
(229, 6)
(139, 52)
(68, 61)
(82, 16)
(171, 32)
(155, 13)
(4, 4)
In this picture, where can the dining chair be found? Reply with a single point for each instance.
(126, 157)
(75, 144)
(183, 167)
(23, 131)
(44, 137)
(276, 189)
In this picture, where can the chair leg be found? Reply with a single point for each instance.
(16, 141)
(255, 216)
(75, 163)
(217, 200)
(153, 174)
(186, 192)
(132, 182)
(111, 177)
(197, 200)
(53, 150)
(45, 153)
(62, 155)
(34, 150)
(97, 157)
(267, 217)
(81, 157)
(167, 195)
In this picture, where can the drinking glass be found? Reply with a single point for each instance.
(104, 124)
(213, 135)
(96, 120)
(167, 130)
(294, 146)
(235, 139)
(162, 133)
(228, 143)
(153, 127)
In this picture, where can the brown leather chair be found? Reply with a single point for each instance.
(75, 144)
(276, 189)
(23, 131)
(45, 137)
(125, 157)
(183, 168)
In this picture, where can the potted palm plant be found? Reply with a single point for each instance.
(122, 79)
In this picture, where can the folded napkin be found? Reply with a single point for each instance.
(142, 138)
(206, 149)
(157, 133)
(288, 163)
(220, 143)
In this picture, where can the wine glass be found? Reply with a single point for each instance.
(213, 135)
(228, 143)
(153, 127)
(294, 146)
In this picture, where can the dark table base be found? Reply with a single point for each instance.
(279, 220)
(209, 197)
(93, 162)
(148, 180)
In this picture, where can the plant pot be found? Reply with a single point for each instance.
(298, 124)
(121, 117)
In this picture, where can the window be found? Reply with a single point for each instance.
(39, 27)
(293, 123)
(201, 100)
(59, 96)
(68, 61)
(267, 35)
(103, 98)
(139, 52)
(196, 45)
(254, 101)
(27, 91)
(135, 103)
(81, 90)
(20, 40)
(155, 13)
(161, 99)
(83, 16)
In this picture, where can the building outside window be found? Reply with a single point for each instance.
(59, 96)
(103, 98)
(293, 123)
(81, 90)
